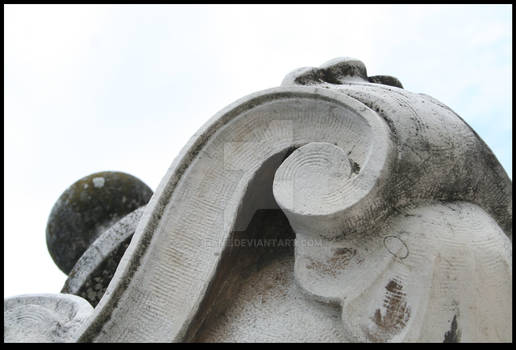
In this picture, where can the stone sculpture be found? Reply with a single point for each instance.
(337, 207)
(86, 209)
(44, 318)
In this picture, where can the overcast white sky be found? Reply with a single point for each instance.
(90, 88)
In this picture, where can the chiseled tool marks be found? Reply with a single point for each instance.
(161, 280)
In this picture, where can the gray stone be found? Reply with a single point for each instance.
(336, 208)
(93, 271)
(86, 209)
(44, 318)
(402, 219)
(386, 80)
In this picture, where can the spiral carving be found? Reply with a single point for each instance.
(349, 162)
(44, 318)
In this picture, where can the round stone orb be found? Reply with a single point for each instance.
(86, 209)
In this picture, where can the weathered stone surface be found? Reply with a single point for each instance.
(86, 209)
(93, 271)
(44, 318)
(265, 303)
(386, 80)
(409, 279)
(400, 214)
(410, 210)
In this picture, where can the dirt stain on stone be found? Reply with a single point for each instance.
(453, 335)
(355, 167)
(341, 258)
(396, 315)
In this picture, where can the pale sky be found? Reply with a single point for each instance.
(91, 88)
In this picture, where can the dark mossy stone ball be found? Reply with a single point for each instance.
(86, 209)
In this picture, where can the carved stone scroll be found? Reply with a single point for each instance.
(412, 211)
(338, 207)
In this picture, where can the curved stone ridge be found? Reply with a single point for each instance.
(337, 71)
(385, 149)
(44, 318)
(402, 219)
(198, 201)
(86, 209)
(93, 271)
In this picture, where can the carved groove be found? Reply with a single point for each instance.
(372, 158)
